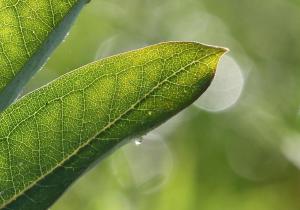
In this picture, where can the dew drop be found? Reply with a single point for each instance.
(139, 141)
(145, 168)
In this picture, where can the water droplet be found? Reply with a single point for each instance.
(149, 113)
(139, 141)
(145, 168)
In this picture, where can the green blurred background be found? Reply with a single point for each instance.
(236, 148)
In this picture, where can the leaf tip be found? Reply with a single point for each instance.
(220, 51)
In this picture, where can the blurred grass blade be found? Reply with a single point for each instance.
(29, 31)
(51, 136)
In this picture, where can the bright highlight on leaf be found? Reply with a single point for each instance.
(51, 136)
(29, 31)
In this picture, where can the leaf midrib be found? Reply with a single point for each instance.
(109, 125)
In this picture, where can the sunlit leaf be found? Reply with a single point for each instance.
(29, 31)
(51, 136)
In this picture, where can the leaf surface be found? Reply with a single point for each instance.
(29, 32)
(51, 136)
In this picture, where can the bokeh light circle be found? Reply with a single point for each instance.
(144, 166)
(226, 88)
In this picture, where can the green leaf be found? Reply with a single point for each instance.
(51, 136)
(29, 31)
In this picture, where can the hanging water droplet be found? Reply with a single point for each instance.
(149, 113)
(139, 141)
(145, 168)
